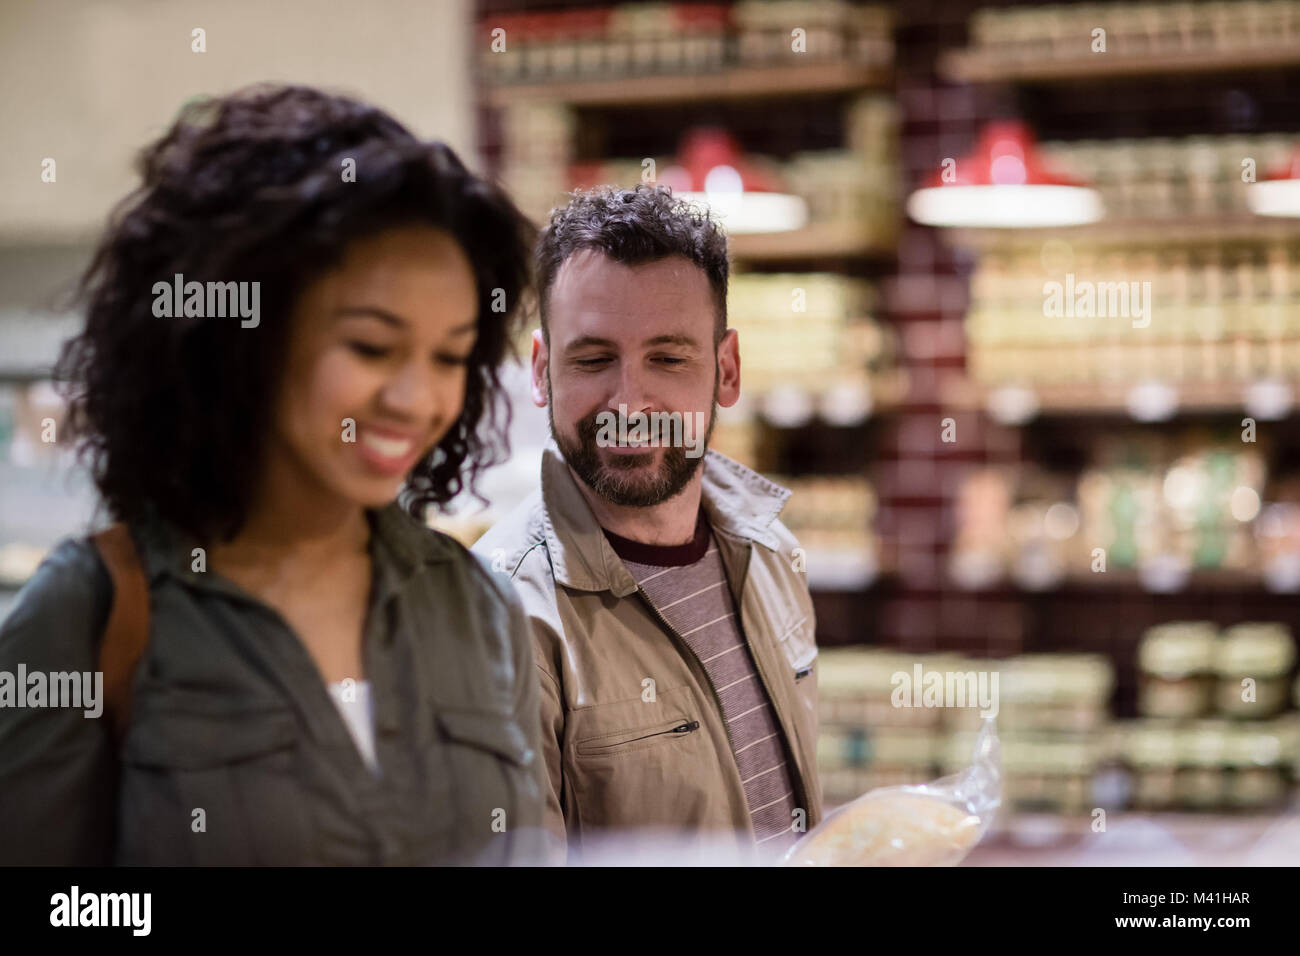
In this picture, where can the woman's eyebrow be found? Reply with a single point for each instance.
(373, 311)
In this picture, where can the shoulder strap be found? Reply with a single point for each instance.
(127, 631)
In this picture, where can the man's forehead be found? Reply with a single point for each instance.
(596, 297)
(589, 274)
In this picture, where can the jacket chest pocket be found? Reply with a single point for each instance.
(799, 647)
(206, 782)
(491, 769)
(645, 763)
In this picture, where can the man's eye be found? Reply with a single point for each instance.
(367, 350)
(592, 362)
(671, 360)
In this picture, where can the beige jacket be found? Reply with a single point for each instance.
(618, 685)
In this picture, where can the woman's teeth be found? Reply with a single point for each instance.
(387, 447)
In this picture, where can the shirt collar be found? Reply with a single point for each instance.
(737, 500)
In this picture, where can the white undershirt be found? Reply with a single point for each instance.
(359, 714)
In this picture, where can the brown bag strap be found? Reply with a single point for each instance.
(127, 631)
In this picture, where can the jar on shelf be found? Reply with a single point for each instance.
(1252, 663)
(1257, 771)
(897, 758)
(1176, 662)
(1057, 692)
(1202, 780)
(1049, 772)
(1150, 748)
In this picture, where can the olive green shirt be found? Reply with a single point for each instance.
(236, 753)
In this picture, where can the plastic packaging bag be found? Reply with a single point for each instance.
(935, 824)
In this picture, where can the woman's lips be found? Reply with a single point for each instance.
(389, 453)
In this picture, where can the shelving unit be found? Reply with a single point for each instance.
(984, 66)
(735, 83)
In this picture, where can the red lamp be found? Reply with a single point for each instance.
(1279, 194)
(1003, 184)
(712, 171)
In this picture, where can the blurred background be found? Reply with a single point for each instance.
(1097, 497)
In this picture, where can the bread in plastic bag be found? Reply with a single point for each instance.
(935, 824)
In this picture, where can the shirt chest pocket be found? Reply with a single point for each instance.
(491, 769)
(207, 781)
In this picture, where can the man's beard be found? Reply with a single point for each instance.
(617, 481)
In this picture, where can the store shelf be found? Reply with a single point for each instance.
(1166, 231)
(1103, 399)
(819, 241)
(997, 66)
(736, 83)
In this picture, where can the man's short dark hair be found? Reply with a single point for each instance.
(634, 226)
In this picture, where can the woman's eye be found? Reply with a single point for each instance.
(367, 350)
(457, 360)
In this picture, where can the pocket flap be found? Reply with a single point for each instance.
(186, 738)
(488, 730)
(800, 648)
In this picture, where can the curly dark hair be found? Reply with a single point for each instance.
(633, 226)
(172, 414)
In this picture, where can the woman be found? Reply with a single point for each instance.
(294, 321)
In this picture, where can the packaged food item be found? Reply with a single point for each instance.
(1151, 750)
(1254, 756)
(936, 824)
(1258, 653)
(1202, 777)
(1176, 660)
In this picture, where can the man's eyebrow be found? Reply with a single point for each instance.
(674, 339)
(589, 341)
(593, 341)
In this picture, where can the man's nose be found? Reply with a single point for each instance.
(630, 392)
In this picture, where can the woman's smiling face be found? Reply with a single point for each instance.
(377, 363)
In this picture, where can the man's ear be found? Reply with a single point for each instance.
(729, 369)
(540, 357)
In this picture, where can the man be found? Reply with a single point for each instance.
(674, 634)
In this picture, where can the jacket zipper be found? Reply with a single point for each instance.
(595, 747)
(685, 728)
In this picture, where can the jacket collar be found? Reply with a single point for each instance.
(738, 501)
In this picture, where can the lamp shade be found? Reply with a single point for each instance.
(1003, 184)
(1279, 193)
(713, 172)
